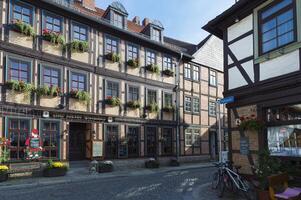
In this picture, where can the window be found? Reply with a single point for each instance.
(112, 89)
(187, 71)
(78, 81)
(53, 23)
(51, 76)
(167, 63)
(167, 99)
(19, 70)
(50, 134)
(132, 52)
(151, 96)
(196, 105)
(166, 142)
(212, 108)
(22, 12)
(276, 26)
(150, 57)
(156, 34)
(133, 94)
(188, 104)
(196, 73)
(80, 32)
(188, 137)
(133, 141)
(212, 78)
(18, 131)
(111, 141)
(111, 45)
(117, 20)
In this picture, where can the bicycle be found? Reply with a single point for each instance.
(225, 178)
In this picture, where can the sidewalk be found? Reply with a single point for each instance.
(82, 175)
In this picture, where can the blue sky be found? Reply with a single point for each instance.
(182, 19)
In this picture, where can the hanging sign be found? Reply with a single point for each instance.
(97, 149)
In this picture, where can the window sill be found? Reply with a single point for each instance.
(278, 52)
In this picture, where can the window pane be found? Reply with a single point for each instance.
(269, 25)
(276, 8)
(286, 27)
(286, 38)
(269, 35)
(269, 45)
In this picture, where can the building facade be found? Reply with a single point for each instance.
(95, 84)
(262, 71)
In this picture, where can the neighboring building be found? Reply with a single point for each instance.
(262, 71)
(117, 80)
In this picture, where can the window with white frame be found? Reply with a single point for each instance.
(192, 137)
(167, 62)
(196, 105)
(132, 52)
(167, 99)
(212, 78)
(150, 57)
(212, 108)
(188, 137)
(151, 96)
(196, 73)
(117, 19)
(156, 34)
(188, 104)
(187, 71)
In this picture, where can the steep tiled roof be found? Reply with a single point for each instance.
(181, 45)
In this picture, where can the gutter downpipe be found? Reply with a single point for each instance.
(177, 88)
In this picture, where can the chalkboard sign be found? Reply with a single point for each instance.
(244, 146)
(97, 149)
(123, 150)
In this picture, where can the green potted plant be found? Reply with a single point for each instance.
(113, 101)
(168, 72)
(134, 104)
(153, 68)
(3, 173)
(20, 86)
(79, 46)
(23, 28)
(250, 123)
(106, 166)
(152, 163)
(114, 57)
(81, 95)
(152, 108)
(45, 90)
(168, 108)
(4, 157)
(53, 37)
(55, 169)
(134, 63)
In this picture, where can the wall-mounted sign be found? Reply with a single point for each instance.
(97, 149)
(244, 146)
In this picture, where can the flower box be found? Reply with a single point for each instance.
(168, 109)
(51, 91)
(133, 104)
(79, 46)
(152, 108)
(113, 101)
(153, 68)
(133, 63)
(152, 163)
(24, 28)
(114, 57)
(53, 37)
(168, 72)
(54, 172)
(105, 167)
(82, 96)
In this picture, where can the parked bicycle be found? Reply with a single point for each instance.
(226, 179)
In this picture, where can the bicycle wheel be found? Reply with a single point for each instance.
(250, 194)
(215, 180)
(221, 186)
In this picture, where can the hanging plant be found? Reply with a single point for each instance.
(114, 57)
(153, 68)
(168, 72)
(48, 91)
(250, 123)
(113, 101)
(53, 37)
(152, 108)
(134, 63)
(24, 28)
(134, 104)
(79, 46)
(81, 95)
(168, 108)
(20, 86)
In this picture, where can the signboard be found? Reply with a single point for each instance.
(97, 149)
(244, 146)
(123, 150)
(224, 156)
(226, 100)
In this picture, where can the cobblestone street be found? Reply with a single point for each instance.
(177, 185)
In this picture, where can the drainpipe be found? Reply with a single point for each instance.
(177, 88)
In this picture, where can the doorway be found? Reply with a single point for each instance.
(151, 141)
(213, 144)
(79, 141)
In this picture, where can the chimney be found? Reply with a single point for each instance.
(136, 20)
(146, 21)
(89, 4)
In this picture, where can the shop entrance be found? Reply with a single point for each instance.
(79, 141)
(151, 141)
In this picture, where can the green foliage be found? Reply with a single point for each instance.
(153, 68)
(82, 96)
(152, 108)
(79, 46)
(251, 124)
(169, 108)
(48, 91)
(20, 86)
(265, 167)
(114, 57)
(113, 101)
(134, 104)
(23, 28)
(53, 37)
(133, 63)
(168, 72)
(4, 155)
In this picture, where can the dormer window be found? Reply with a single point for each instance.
(117, 15)
(156, 35)
(117, 19)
